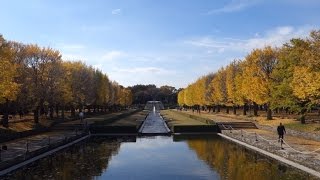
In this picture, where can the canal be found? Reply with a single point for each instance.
(157, 157)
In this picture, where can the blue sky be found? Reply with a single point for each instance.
(167, 42)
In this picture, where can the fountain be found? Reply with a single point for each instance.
(150, 104)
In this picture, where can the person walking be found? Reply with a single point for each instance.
(281, 131)
(81, 115)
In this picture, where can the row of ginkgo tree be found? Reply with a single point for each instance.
(36, 79)
(287, 77)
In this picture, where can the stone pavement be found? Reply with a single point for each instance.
(19, 147)
(297, 149)
(299, 146)
(60, 132)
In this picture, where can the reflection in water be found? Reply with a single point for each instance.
(234, 162)
(191, 157)
(157, 158)
(81, 161)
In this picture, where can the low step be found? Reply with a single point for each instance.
(236, 125)
(67, 127)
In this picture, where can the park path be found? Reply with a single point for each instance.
(299, 146)
(62, 131)
(20, 147)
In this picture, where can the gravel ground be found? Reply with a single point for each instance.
(272, 145)
(306, 135)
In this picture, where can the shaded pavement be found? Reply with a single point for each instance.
(21, 146)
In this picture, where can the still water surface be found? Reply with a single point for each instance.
(179, 157)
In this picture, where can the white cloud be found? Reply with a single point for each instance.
(233, 6)
(130, 75)
(116, 11)
(206, 42)
(303, 2)
(73, 57)
(274, 37)
(98, 66)
(144, 70)
(113, 55)
(197, 56)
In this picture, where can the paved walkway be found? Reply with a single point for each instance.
(103, 117)
(298, 147)
(154, 124)
(19, 147)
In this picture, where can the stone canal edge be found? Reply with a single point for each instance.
(48, 153)
(248, 146)
(273, 156)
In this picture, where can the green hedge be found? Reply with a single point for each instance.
(102, 129)
(201, 119)
(115, 118)
(196, 129)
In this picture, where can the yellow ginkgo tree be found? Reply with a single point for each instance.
(306, 75)
(257, 71)
(233, 93)
(8, 87)
(218, 88)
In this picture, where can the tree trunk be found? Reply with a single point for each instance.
(36, 115)
(214, 109)
(227, 109)
(303, 116)
(287, 110)
(73, 112)
(269, 113)
(244, 109)
(41, 109)
(62, 112)
(234, 110)
(303, 119)
(57, 110)
(255, 109)
(260, 107)
(51, 112)
(218, 108)
(5, 118)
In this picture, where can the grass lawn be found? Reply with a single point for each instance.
(288, 122)
(305, 127)
(22, 126)
(18, 127)
(132, 120)
(30, 125)
(176, 118)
